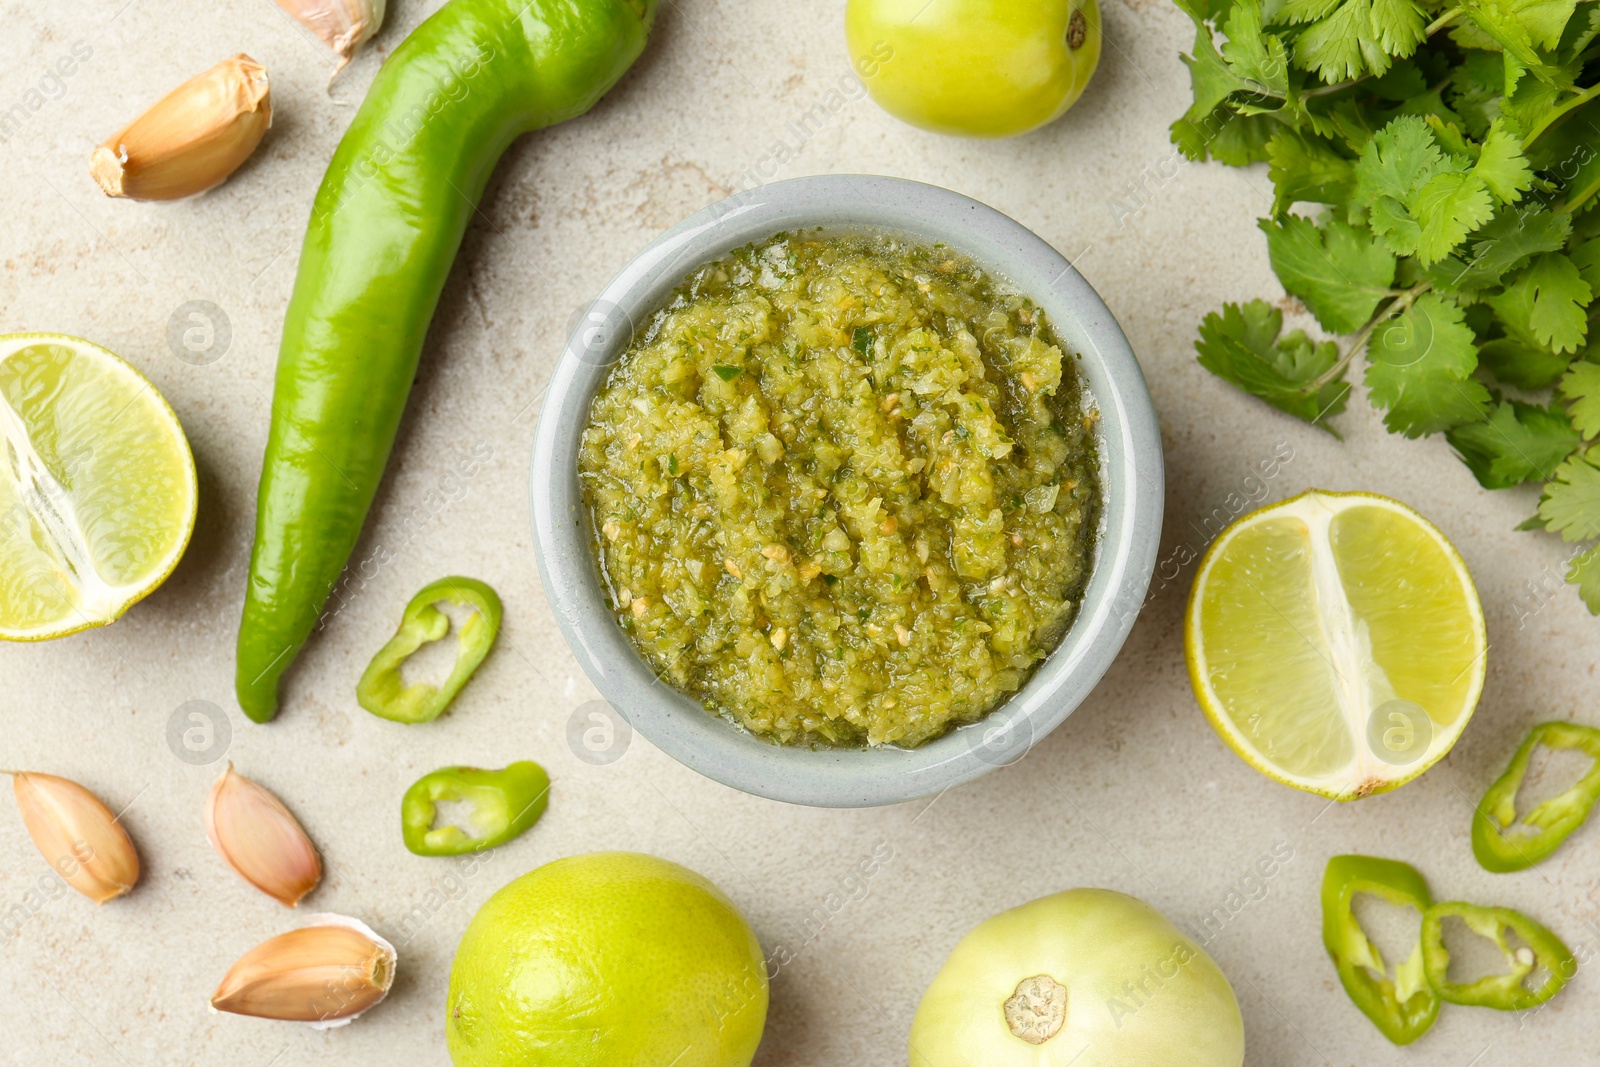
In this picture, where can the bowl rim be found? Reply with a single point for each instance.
(1131, 480)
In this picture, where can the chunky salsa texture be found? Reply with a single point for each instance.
(844, 489)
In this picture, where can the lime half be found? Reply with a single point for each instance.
(97, 486)
(1336, 642)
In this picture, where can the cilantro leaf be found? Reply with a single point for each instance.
(1391, 220)
(1253, 55)
(1581, 390)
(1580, 33)
(1399, 158)
(1423, 201)
(1447, 208)
(1501, 164)
(1210, 76)
(1400, 82)
(1205, 10)
(1521, 27)
(1348, 38)
(1533, 98)
(1571, 502)
(1516, 361)
(1476, 88)
(1548, 298)
(1468, 35)
(1449, 134)
(1506, 242)
(1306, 169)
(1517, 443)
(1225, 135)
(1584, 572)
(1586, 257)
(1420, 368)
(1536, 23)
(1336, 117)
(1242, 345)
(1244, 140)
(1340, 272)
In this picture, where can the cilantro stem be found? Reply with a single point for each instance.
(1403, 300)
(1555, 115)
(1442, 21)
(1326, 90)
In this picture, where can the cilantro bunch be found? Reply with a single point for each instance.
(1454, 150)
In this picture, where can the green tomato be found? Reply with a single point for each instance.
(1089, 978)
(975, 68)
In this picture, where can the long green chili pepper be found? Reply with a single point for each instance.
(501, 806)
(1538, 950)
(384, 693)
(1402, 1007)
(387, 223)
(1553, 820)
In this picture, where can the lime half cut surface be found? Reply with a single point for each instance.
(97, 486)
(1336, 642)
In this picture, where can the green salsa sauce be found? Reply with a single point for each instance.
(844, 489)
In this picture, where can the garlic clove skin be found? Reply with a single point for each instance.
(77, 834)
(325, 974)
(258, 837)
(192, 139)
(343, 25)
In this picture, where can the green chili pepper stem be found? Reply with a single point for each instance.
(388, 220)
(1553, 821)
(1402, 1007)
(1506, 992)
(383, 692)
(503, 803)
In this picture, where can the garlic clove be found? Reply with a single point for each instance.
(77, 834)
(343, 25)
(324, 974)
(252, 830)
(192, 139)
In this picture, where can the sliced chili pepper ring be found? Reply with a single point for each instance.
(1402, 1007)
(501, 804)
(1552, 820)
(1539, 950)
(383, 692)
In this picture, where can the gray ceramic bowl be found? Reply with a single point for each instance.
(1125, 554)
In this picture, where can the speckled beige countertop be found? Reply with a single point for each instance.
(1134, 792)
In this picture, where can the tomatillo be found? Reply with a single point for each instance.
(974, 68)
(1088, 977)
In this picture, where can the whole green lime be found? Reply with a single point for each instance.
(609, 959)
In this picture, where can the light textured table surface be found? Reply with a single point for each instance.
(1134, 792)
